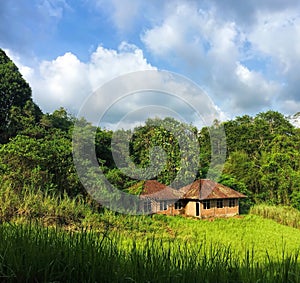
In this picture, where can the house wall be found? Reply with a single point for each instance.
(155, 208)
(224, 211)
(171, 211)
(190, 209)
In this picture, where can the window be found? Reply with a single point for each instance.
(231, 202)
(163, 205)
(178, 205)
(220, 203)
(147, 205)
(206, 204)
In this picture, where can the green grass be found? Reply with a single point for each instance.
(31, 253)
(45, 238)
(282, 214)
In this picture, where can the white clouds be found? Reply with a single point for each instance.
(197, 41)
(53, 8)
(189, 29)
(125, 12)
(256, 81)
(122, 13)
(62, 81)
(277, 35)
(246, 55)
(106, 64)
(254, 89)
(244, 12)
(180, 35)
(66, 81)
(291, 106)
(137, 95)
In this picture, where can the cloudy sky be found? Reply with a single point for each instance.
(245, 55)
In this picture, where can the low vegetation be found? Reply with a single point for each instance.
(33, 253)
(46, 238)
(282, 214)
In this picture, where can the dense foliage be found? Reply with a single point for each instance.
(262, 152)
(15, 100)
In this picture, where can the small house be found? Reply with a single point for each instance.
(203, 198)
(206, 198)
(159, 198)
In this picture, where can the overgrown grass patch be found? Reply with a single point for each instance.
(282, 214)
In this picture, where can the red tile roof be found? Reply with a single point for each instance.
(198, 190)
(155, 190)
(208, 189)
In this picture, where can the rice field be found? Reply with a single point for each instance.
(152, 249)
(282, 214)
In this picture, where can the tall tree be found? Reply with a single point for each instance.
(14, 92)
(175, 148)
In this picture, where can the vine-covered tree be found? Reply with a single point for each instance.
(174, 145)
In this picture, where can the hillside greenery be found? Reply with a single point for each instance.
(48, 238)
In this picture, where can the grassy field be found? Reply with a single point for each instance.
(44, 238)
(157, 249)
(282, 214)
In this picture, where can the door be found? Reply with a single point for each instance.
(197, 208)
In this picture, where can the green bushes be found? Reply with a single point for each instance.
(282, 214)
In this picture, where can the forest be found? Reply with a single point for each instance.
(39, 182)
(262, 152)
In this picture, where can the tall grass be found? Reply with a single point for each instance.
(32, 253)
(282, 214)
(49, 208)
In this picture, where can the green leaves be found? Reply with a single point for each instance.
(262, 152)
(264, 155)
(14, 92)
(169, 145)
(39, 163)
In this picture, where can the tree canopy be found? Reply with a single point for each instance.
(15, 94)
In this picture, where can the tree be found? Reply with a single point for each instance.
(168, 149)
(40, 163)
(240, 132)
(263, 153)
(14, 92)
(280, 169)
(103, 147)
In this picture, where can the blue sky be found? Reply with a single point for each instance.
(244, 54)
